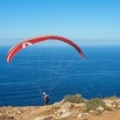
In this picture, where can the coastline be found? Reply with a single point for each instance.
(66, 110)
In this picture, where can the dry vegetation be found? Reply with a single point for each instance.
(72, 107)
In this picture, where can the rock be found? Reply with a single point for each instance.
(86, 114)
(114, 105)
(82, 115)
(67, 114)
(48, 117)
(109, 102)
(1, 114)
(117, 101)
(66, 105)
(61, 111)
(81, 105)
(100, 108)
(118, 106)
(19, 112)
(105, 112)
(91, 111)
(79, 115)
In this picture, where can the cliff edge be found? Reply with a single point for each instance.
(72, 107)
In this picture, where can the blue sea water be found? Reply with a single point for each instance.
(59, 71)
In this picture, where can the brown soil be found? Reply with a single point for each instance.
(30, 113)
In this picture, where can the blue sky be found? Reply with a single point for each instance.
(90, 21)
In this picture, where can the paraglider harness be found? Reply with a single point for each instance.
(46, 98)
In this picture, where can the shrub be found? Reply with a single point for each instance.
(93, 104)
(112, 97)
(74, 98)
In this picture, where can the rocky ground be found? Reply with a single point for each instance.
(70, 108)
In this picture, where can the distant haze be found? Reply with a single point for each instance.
(90, 21)
(12, 42)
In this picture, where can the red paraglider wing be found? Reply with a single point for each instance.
(15, 49)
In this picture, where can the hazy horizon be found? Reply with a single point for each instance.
(85, 42)
(90, 21)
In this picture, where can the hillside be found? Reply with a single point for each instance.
(72, 107)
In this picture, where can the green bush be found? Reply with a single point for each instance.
(93, 104)
(74, 98)
(114, 97)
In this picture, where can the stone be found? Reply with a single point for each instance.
(67, 114)
(118, 106)
(100, 108)
(79, 115)
(48, 117)
(91, 111)
(66, 105)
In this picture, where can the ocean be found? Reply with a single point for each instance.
(58, 71)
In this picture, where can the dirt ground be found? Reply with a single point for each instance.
(30, 113)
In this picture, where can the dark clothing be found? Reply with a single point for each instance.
(46, 99)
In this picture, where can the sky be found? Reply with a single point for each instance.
(85, 21)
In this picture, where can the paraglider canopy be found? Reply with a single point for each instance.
(15, 49)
